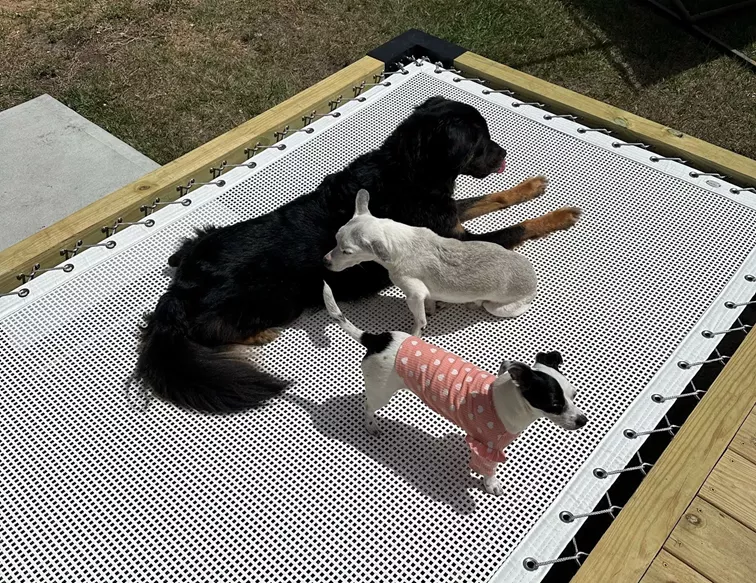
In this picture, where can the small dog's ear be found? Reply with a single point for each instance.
(378, 248)
(520, 372)
(361, 203)
(552, 359)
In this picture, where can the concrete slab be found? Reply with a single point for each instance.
(54, 162)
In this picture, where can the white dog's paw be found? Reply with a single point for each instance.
(493, 486)
(372, 427)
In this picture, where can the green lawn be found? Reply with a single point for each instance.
(168, 75)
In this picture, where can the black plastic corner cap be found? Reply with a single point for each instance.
(420, 44)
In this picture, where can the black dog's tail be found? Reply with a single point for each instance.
(195, 376)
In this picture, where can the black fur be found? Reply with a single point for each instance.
(551, 359)
(539, 389)
(236, 281)
(375, 343)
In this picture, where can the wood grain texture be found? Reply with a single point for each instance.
(731, 487)
(43, 247)
(633, 540)
(667, 568)
(714, 544)
(744, 443)
(663, 139)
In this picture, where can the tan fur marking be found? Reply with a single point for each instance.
(558, 220)
(526, 190)
(261, 338)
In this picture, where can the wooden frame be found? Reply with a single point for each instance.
(635, 538)
(86, 224)
(627, 549)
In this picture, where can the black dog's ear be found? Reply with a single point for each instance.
(552, 359)
(520, 372)
(430, 102)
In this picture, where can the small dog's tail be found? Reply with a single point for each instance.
(335, 313)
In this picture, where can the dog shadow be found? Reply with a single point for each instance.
(434, 466)
(386, 314)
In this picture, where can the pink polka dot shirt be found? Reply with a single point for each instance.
(459, 391)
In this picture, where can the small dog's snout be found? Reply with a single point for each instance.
(580, 421)
(327, 259)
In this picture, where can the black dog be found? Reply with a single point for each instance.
(234, 284)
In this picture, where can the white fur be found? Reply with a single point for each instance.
(430, 268)
(513, 410)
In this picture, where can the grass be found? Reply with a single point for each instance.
(168, 75)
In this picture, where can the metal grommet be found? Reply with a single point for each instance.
(566, 516)
(149, 223)
(693, 174)
(600, 473)
(657, 398)
(729, 305)
(581, 130)
(530, 564)
(22, 293)
(335, 114)
(750, 277)
(629, 433)
(616, 144)
(68, 267)
(361, 99)
(707, 334)
(110, 244)
(221, 182)
(186, 202)
(683, 364)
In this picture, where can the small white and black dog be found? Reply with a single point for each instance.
(492, 410)
(430, 268)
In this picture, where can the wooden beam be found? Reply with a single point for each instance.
(714, 544)
(665, 140)
(630, 544)
(667, 568)
(43, 247)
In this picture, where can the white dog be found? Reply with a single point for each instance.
(430, 268)
(492, 410)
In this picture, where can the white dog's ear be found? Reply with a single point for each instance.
(361, 203)
(378, 248)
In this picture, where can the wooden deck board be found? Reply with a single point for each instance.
(667, 568)
(626, 551)
(744, 443)
(731, 487)
(714, 544)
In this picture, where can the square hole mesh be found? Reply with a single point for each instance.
(99, 483)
